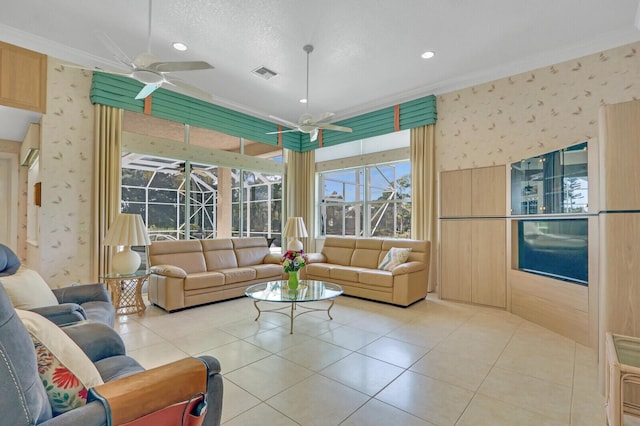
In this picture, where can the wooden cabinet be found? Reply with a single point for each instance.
(455, 260)
(619, 154)
(23, 78)
(455, 193)
(619, 221)
(489, 191)
(473, 192)
(488, 262)
(473, 261)
(473, 235)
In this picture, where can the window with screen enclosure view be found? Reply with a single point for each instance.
(371, 197)
(370, 201)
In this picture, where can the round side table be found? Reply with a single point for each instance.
(126, 291)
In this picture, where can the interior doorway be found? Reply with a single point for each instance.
(9, 200)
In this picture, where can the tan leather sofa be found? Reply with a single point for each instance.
(353, 264)
(187, 273)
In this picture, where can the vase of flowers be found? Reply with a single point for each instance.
(292, 262)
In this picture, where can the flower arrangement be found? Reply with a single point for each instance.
(294, 260)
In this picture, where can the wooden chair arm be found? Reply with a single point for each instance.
(142, 393)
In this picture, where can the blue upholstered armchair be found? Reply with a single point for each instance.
(24, 400)
(27, 290)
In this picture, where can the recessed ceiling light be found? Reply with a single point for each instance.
(179, 46)
(428, 54)
(303, 101)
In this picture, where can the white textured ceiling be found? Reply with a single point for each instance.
(367, 52)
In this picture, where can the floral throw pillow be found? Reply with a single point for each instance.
(64, 389)
(395, 256)
(65, 370)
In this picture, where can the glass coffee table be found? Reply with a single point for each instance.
(307, 291)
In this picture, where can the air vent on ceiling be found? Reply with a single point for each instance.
(264, 72)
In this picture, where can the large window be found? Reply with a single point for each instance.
(369, 201)
(180, 198)
(364, 187)
(156, 188)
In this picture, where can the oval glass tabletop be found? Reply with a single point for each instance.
(307, 291)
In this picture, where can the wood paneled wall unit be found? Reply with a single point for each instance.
(558, 306)
(619, 220)
(23, 78)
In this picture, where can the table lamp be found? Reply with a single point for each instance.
(127, 230)
(295, 229)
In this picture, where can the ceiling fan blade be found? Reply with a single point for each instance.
(281, 131)
(322, 118)
(336, 128)
(122, 73)
(147, 90)
(313, 135)
(179, 66)
(191, 90)
(114, 49)
(284, 122)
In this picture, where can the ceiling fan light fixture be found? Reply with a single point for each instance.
(428, 54)
(179, 46)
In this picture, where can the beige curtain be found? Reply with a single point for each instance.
(107, 181)
(424, 225)
(301, 193)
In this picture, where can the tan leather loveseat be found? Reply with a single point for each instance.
(192, 272)
(353, 263)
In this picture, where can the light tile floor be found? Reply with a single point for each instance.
(434, 363)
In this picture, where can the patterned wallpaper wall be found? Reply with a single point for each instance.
(66, 171)
(535, 112)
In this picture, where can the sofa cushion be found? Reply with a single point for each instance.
(346, 273)
(203, 280)
(236, 275)
(65, 370)
(319, 270)
(394, 257)
(366, 253)
(376, 278)
(186, 254)
(268, 271)
(219, 254)
(250, 251)
(338, 251)
(27, 289)
(420, 249)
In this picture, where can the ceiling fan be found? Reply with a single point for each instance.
(308, 123)
(151, 71)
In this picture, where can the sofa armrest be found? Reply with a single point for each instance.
(316, 258)
(168, 271)
(82, 293)
(272, 258)
(146, 392)
(63, 313)
(97, 340)
(407, 268)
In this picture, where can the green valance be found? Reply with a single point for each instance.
(118, 91)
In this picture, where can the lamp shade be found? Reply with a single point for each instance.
(127, 230)
(295, 229)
